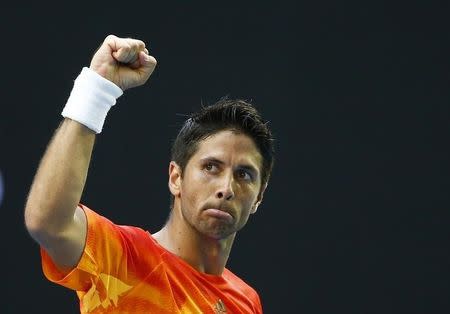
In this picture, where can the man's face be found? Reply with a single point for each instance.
(221, 184)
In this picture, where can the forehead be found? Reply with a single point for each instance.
(230, 145)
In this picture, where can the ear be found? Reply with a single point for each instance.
(259, 198)
(174, 179)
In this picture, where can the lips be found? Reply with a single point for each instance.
(219, 214)
(228, 211)
(221, 208)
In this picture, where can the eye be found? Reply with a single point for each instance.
(210, 167)
(245, 175)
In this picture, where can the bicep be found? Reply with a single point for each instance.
(67, 247)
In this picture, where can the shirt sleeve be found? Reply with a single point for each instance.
(105, 253)
(258, 305)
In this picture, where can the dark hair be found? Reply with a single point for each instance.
(235, 114)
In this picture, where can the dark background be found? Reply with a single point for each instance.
(356, 216)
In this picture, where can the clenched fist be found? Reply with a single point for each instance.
(123, 61)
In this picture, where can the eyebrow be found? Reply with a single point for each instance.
(247, 167)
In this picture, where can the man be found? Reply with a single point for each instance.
(221, 163)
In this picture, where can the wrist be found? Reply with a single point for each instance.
(91, 98)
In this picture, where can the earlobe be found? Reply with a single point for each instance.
(259, 199)
(255, 207)
(174, 178)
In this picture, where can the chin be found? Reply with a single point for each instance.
(218, 234)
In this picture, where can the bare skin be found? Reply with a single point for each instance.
(219, 189)
(52, 215)
(214, 196)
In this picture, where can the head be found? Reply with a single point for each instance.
(221, 163)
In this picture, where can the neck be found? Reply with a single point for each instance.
(205, 254)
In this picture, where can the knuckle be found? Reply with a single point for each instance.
(126, 46)
(110, 38)
(136, 44)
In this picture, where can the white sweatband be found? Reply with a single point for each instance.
(90, 99)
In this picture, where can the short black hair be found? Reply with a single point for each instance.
(225, 114)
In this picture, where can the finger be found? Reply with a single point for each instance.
(136, 64)
(136, 46)
(135, 43)
(112, 42)
(144, 62)
(126, 55)
(125, 50)
(117, 42)
(122, 54)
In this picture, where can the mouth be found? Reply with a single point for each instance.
(227, 210)
(220, 213)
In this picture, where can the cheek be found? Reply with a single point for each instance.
(247, 207)
(250, 200)
(187, 194)
(192, 187)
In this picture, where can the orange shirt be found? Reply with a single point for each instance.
(124, 270)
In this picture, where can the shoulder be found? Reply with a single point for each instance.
(94, 217)
(105, 228)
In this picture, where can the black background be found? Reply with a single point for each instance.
(356, 216)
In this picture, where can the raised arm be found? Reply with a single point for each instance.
(52, 215)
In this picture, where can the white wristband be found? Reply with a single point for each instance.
(90, 99)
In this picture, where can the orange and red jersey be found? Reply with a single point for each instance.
(124, 270)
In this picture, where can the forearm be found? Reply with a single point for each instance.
(59, 181)
(51, 214)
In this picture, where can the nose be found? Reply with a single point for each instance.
(225, 190)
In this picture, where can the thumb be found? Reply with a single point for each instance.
(141, 69)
